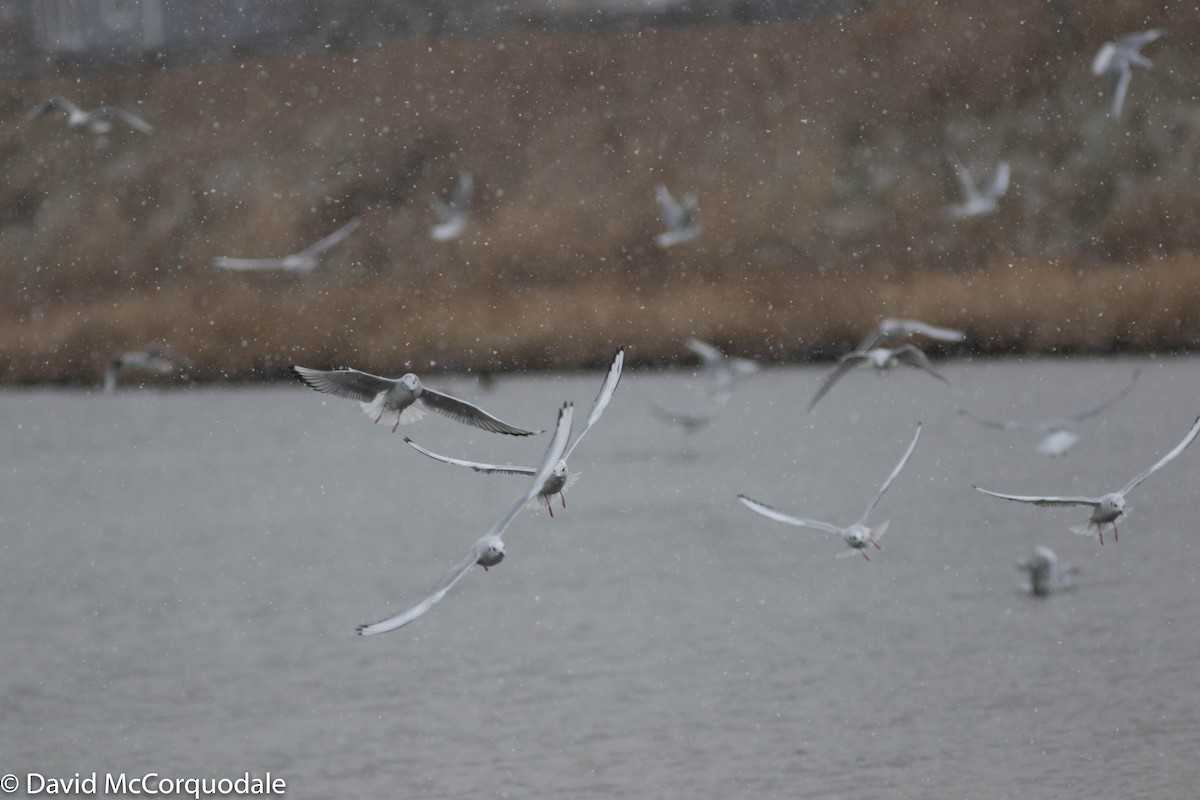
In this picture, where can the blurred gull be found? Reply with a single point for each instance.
(902, 328)
(560, 478)
(97, 121)
(977, 203)
(722, 372)
(304, 261)
(400, 400)
(1045, 574)
(1107, 509)
(680, 218)
(1116, 61)
(881, 358)
(690, 421)
(1058, 437)
(453, 214)
(857, 535)
(154, 359)
(489, 550)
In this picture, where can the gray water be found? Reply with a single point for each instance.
(183, 571)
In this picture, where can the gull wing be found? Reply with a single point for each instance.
(461, 197)
(779, 516)
(462, 411)
(505, 469)
(50, 105)
(1006, 425)
(348, 383)
(672, 212)
(1162, 462)
(1134, 42)
(329, 241)
(999, 184)
(1045, 501)
(132, 120)
(903, 460)
(908, 327)
(1104, 58)
(844, 365)
(1091, 412)
(606, 392)
(1120, 80)
(911, 355)
(552, 456)
(708, 354)
(250, 263)
(965, 181)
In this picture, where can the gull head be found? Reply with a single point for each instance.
(560, 469)
(410, 382)
(881, 358)
(857, 536)
(1110, 508)
(492, 553)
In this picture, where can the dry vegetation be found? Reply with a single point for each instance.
(817, 149)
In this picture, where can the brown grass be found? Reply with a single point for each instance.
(817, 150)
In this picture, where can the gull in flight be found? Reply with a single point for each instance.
(560, 478)
(903, 328)
(489, 550)
(690, 421)
(400, 400)
(881, 358)
(304, 261)
(154, 359)
(1116, 61)
(453, 214)
(1045, 574)
(680, 218)
(1107, 509)
(857, 536)
(97, 121)
(1058, 435)
(977, 203)
(723, 373)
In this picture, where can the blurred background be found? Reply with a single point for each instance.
(817, 138)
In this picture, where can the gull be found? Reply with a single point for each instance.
(155, 358)
(690, 421)
(680, 218)
(896, 328)
(881, 358)
(1046, 575)
(560, 478)
(723, 372)
(976, 203)
(489, 550)
(97, 121)
(857, 535)
(304, 261)
(1115, 62)
(1058, 437)
(1108, 509)
(453, 214)
(400, 400)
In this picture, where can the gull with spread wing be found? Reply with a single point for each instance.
(155, 359)
(489, 550)
(881, 358)
(857, 535)
(903, 328)
(1115, 61)
(400, 400)
(1058, 435)
(976, 202)
(722, 372)
(560, 478)
(304, 261)
(1108, 509)
(97, 121)
(452, 215)
(679, 217)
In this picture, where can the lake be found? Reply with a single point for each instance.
(184, 568)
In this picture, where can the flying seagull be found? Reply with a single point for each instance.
(400, 400)
(304, 261)
(903, 328)
(1045, 574)
(98, 121)
(881, 358)
(560, 478)
(857, 535)
(1115, 61)
(679, 217)
(976, 202)
(489, 550)
(722, 372)
(154, 359)
(1107, 509)
(1058, 436)
(452, 215)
